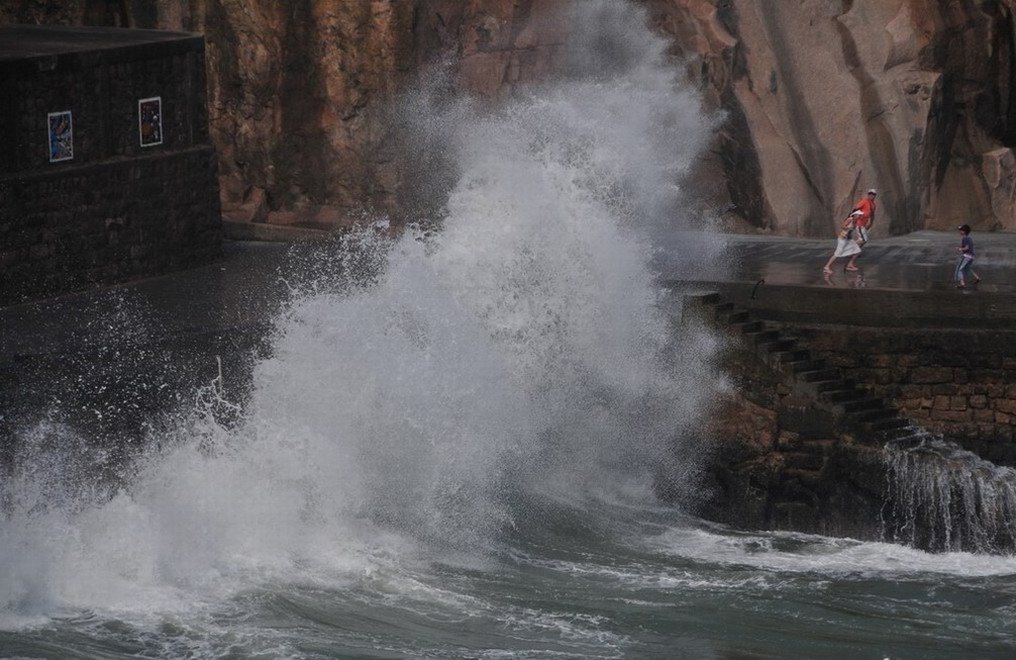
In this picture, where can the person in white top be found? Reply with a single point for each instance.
(847, 243)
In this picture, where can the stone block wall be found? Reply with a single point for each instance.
(960, 383)
(116, 210)
(107, 222)
(797, 445)
(780, 460)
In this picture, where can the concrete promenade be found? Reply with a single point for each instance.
(244, 287)
(921, 261)
(903, 280)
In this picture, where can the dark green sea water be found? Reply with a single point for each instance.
(593, 581)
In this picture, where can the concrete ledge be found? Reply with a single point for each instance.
(259, 231)
(866, 307)
(33, 47)
(91, 168)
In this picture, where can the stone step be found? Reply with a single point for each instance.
(831, 385)
(801, 366)
(748, 327)
(805, 476)
(857, 405)
(793, 355)
(842, 396)
(778, 346)
(889, 424)
(804, 460)
(697, 302)
(763, 337)
(907, 437)
(819, 375)
(823, 447)
(872, 415)
(730, 317)
(722, 308)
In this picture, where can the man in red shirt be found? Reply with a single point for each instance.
(864, 222)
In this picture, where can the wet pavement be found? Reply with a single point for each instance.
(920, 261)
(903, 281)
(112, 363)
(248, 285)
(245, 286)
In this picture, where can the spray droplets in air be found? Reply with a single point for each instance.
(515, 348)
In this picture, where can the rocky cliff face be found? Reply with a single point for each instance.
(826, 99)
(822, 98)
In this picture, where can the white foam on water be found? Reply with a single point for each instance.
(658, 576)
(824, 556)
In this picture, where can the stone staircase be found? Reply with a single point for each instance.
(871, 420)
(843, 462)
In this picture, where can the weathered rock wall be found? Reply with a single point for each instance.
(301, 93)
(823, 98)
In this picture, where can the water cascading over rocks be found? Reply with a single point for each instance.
(943, 498)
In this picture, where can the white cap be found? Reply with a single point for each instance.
(854, 214)
(872, 191)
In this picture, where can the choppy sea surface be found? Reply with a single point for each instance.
(577, 580)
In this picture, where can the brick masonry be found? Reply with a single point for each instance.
(804, 439)
(960, 383)
(117, 210)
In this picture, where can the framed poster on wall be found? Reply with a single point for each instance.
(61, 135)
(150, 121)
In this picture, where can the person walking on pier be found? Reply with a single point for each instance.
(846, 242)
(965, 266)
(866, 206)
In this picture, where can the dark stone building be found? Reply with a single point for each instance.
(106, 169)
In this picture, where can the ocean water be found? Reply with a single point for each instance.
(450, 448)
